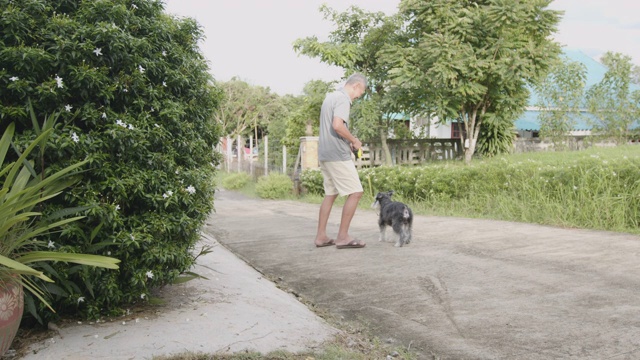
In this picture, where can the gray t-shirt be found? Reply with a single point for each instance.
(331, 146)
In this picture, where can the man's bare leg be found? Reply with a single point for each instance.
(323, 219)
(348, 210)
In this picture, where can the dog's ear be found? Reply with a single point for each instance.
(390, 192)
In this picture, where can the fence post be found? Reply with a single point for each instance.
(229, 153)
(240, 147)
(251, 154)
(284, 159)
(266, 155)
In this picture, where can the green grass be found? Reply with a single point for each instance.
(598, 188)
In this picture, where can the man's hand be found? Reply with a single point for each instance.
(356, 144)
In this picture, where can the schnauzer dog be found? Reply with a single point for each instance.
(394, 214)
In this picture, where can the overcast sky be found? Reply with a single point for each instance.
(252, 39)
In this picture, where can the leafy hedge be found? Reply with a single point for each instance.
(136, 101)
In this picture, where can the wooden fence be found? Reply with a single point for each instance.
(411, 152)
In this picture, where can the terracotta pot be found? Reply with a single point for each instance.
(11, 308)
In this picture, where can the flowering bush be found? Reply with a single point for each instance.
(136, 102)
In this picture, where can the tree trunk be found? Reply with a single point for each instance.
(385, 147)
(468, 152)
(473, 131)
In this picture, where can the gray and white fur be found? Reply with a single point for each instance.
(395, 214)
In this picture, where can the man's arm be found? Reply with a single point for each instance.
(342, 130)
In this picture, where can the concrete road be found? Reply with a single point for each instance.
(463, 289)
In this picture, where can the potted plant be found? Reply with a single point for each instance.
(22, 190)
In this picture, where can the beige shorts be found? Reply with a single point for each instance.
(340, 177)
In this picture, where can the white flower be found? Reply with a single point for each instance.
(97, 51)
(125, 90)
(156, 125)
(142, 296)
(191, 190)
(80, 299)
(165, 195)
(51, 244)
(164, 83)
(117, 207)
(177, 172)
(130, 127)
(121, 123)
(75, 137)
(134, 6)
(164, 53)
(141, 69)
(59, 81)
(14, 78)
(150, 274)
(152, 109)
(109, 253)
(170, 192)
(614, 174)
(68, 108)
(104, 115)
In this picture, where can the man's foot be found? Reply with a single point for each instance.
(328, 242)
(353, 244)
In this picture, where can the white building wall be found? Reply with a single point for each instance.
(436, 131)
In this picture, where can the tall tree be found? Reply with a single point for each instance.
(560, 99)
(354, 45)
(245, 108)
(473, 58)
(614, 101)
(306, 112)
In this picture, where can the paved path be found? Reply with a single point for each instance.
(463, 289)
(237, 309)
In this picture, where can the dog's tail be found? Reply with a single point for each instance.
(406, 213)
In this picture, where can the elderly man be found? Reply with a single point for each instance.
(335, 147)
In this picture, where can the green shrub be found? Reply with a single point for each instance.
(136, 101)
(274, 186)
(312, 182)
(235, 181)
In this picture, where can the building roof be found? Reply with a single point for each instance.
(595, 73)
(529, 121)
(595, 70)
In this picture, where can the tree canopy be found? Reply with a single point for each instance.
(615, 101)
(355, 44)
(560, 99)
(472, 60)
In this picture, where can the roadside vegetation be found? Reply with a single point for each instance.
(596, 188)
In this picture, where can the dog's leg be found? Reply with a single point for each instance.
(398, 229)
(383, 232)
(405, 236)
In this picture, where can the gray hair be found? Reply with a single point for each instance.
(357, 78)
